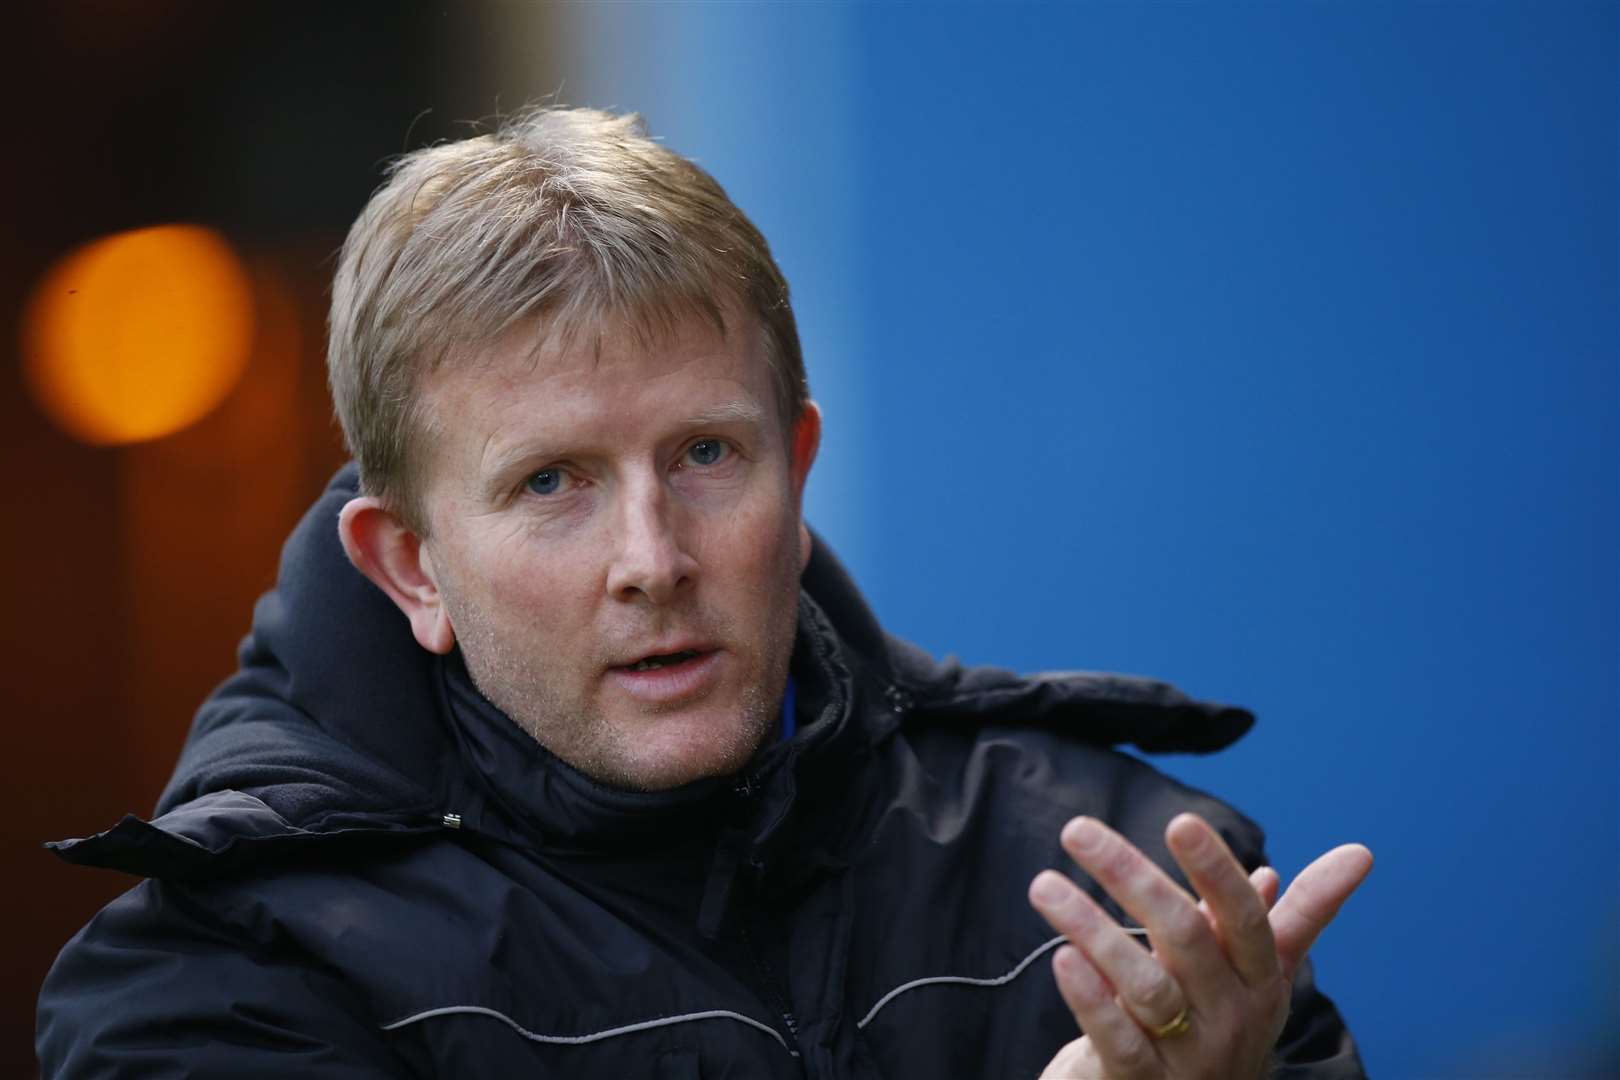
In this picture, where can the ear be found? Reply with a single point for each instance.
(394, 558)
(806, 441)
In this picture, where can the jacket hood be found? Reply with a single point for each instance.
(337, 725)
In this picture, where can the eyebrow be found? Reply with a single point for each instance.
(728, 412)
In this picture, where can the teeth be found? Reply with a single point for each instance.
(653, 662)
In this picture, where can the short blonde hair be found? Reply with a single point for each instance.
(574, 218)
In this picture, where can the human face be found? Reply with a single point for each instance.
(617, 542)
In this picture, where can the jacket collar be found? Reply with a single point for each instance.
(512, 788)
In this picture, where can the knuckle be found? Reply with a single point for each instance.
(1115, 862)
(1183, 928)
(1157, 993)
(1072, 919)
(1081, 986)
(1251, 922)
(1091, 994)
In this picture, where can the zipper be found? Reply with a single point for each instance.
(772, 988)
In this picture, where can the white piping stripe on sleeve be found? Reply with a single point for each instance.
(961, 979)
(968, 980)
(595, 1036)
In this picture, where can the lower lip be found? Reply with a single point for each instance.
(672, 682)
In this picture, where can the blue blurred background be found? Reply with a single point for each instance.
(1269, 349)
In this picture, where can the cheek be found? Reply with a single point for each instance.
(754, 538)
(513, 570)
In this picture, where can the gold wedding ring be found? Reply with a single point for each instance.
(1179, 1025)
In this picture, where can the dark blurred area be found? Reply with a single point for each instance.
(133, 556)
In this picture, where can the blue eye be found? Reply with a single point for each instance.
(546, 482)
(707, 451)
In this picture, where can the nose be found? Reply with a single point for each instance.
(651, 561)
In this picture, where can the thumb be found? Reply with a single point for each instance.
(1314, 899)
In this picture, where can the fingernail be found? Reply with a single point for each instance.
(1194, 840)
(1050, 887)
(1085, 836)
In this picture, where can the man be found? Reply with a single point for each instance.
(633, 802)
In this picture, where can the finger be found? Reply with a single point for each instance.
(1314, 899)
(1240, 917)
(1119, 1043)
(1076, 1061)
(1265, 882)
(1181, 938)
(1146, 990)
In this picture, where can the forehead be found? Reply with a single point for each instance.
(608, 355)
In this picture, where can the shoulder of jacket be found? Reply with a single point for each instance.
(225, 833)
(1097, 707)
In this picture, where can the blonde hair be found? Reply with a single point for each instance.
(574, 218)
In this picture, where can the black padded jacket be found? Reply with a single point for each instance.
(362, 869)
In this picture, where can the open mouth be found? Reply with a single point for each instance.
(653, 663)
(664, 680)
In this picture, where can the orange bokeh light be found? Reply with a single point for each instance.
(139, 334)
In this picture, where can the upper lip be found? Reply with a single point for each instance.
(676, 645)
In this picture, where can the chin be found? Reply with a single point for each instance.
(665, 759)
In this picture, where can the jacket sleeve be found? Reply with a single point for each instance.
(1315, 1044)
(153, 986)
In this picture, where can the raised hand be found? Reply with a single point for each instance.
(1212, 996)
